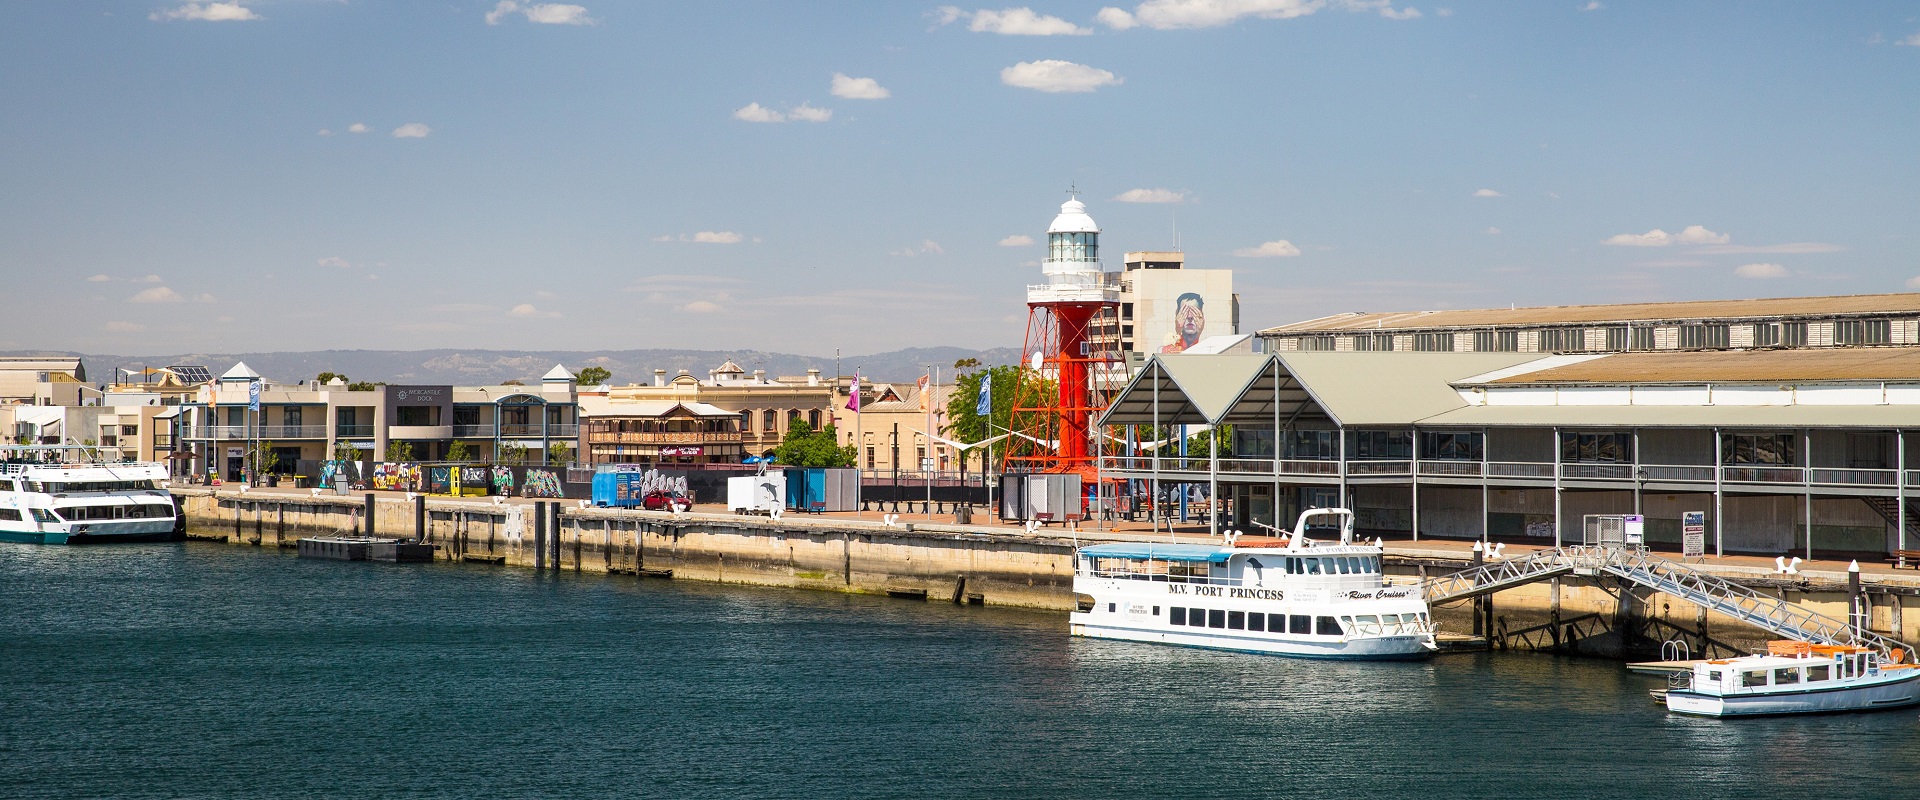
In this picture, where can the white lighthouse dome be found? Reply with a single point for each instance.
(1073, 219)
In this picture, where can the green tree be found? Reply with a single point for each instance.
(459, 451)
(398, 451)
(806, 447)
(344, 450)
(511, 453)
(327, 376)
(559, 453)
(363, 386)
(265, 458)
(593, 376)
(513, 382)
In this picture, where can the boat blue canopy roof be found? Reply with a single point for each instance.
(1159, 550)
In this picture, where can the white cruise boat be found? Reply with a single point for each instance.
(1284, 595)
(1794, 678)
(64, 495)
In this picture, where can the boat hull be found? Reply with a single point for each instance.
(1893, 693)
(146, 530)
(1384, 648)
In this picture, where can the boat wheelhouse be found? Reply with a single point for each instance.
(67, 495)
(1794, 678)
(1285, 595)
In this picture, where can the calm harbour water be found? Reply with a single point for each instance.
(206, 671)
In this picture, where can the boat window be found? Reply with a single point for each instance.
(1752, 678)
(1786, 675)
(1859, 665)
(1236, 620)
(1313, 566)
(44, 515)
(1326, 626)
(1293, 566)
(1110, 607)
(12, 514)
(1216, 618)
(1374, 564)
(1369, 624)
(1713, 676)
(1346, 566)
(1299, 623)
(1819, 673)
(1256, 621)
(1177, 615)
(1156, 611)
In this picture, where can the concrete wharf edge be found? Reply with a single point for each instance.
(979, 565)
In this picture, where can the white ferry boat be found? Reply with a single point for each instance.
(1284, 595)
(64, 495)
(1794, 678)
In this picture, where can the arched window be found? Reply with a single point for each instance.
(766, 421)
(746, 421)
(813, 418)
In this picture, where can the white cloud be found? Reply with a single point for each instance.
(1443, 12)
(334, 261)
(1913, 283)
(206, 12)
(544, 13)
(703, 237)
(1012, 22)
(412, 130)
(1696, 234)
(528, 311)
(1593, 5)
(149, 279)
(1115, 18)
(1487, 193)
(124, 327)
(358, 127)
(157, 294)
(1404, 13)
(927, 247)
(1017, 240)
(1150, 196)
(858, 88)
(701, 307)
(1911, 41)
(1057, 76)
(1278, 248)
(325, 132)
(203, 297)
(1789, 248)
(98, 279)
(1652, 238)
(807, 113)
(558, 14)
(1760, 271)
(754, 112)
(1170, 14)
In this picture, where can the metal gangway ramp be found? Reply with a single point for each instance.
(1667, 576)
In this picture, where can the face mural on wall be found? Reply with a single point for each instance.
(1189, 322)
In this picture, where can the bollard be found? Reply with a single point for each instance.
(1479, 610)
(1857, 617)
(554, 509)
(370, 507)
(420, 518)
(540, 534)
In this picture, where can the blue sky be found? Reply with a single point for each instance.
(623, 175)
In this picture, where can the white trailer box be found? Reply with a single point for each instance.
(757, 494)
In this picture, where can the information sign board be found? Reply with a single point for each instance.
(1693, 534)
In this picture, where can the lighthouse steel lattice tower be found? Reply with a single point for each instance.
(1063, 382)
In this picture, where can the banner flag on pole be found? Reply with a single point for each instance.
(984, 408)
(853, 398)
(253, 395)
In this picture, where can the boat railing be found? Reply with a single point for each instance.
(1680, 680)
(1161, 577)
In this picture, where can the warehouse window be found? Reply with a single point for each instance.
(1766, 334)
(1561, 340)
(1496, 341)
(1765, 449)
(1433, 342)
(1642, 338)
(1316, 343)
(1793, 334)
(1858, 332)
(1703, 337)
(1617, 339)
(1604, 448)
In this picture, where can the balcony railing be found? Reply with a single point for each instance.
(1763, 475)
(1597, 471)
(226, 432)
(1519, 469)
(344, 431)
(691, 437)
(1669, 473)
(1451, 469)
(1377, 468)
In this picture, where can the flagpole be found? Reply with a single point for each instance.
(859, 439)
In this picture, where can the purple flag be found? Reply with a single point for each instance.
(853, 399)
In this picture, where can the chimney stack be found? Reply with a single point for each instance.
(813, 379)
(659, 377)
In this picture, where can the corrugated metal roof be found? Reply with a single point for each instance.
(1733, 366)
(1391, 388)
(1770, 307)
(1799, 416)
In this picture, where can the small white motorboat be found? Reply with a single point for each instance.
(1795, 678)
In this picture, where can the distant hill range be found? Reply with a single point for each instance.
(491, 367)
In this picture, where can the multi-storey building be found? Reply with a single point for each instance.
(685, 420)
(1782, 322)
(1164, 306)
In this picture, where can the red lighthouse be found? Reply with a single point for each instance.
(1063, 377)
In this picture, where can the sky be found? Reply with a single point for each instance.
(800, 177)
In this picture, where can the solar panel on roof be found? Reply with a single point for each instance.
(192, 373)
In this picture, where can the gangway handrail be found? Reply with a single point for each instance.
(1664, 575)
